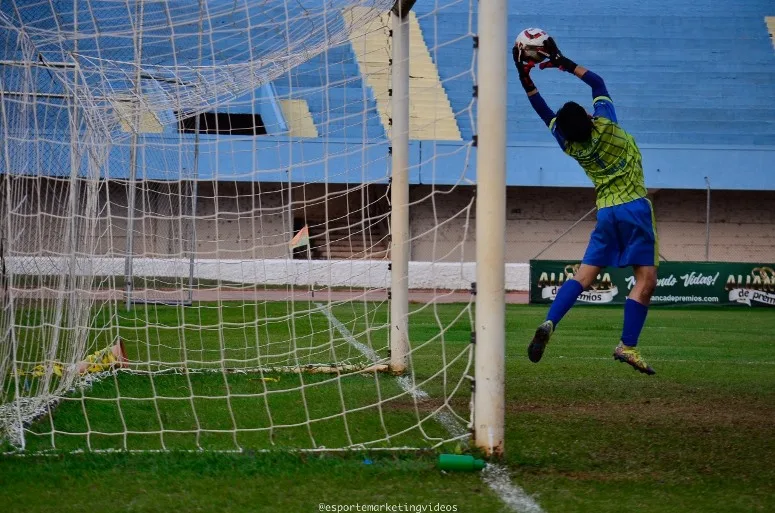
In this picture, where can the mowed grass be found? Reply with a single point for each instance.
(586, 433)
(583, 433)
(196, 384)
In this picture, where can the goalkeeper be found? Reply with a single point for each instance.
(625, 232)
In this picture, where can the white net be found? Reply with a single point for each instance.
(195, 231)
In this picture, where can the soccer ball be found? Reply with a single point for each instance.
(531, 41)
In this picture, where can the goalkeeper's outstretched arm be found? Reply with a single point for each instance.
(601, 100)
(538, 103)
(558, 60)
(593, 80)
(541, 108)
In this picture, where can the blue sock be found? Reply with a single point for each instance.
(634, 319)
(566, 296)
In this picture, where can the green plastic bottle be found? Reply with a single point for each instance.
(462, 462)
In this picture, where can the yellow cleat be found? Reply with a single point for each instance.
(632, 357)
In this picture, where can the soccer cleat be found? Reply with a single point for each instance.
(631, 357)
(536, 348)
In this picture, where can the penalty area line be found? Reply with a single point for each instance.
(496, 477)
(342, 329)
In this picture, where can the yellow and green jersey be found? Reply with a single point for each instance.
(611, 159)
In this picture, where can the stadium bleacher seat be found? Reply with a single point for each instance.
(341, 105)
(679, 72)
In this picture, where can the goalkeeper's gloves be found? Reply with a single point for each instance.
(556, 58)
(523, 70)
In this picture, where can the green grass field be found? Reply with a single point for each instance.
(583, 433)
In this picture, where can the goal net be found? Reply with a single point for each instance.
(195, 225)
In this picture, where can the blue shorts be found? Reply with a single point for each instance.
(625, 235)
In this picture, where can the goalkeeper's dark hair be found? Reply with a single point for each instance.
(574, 123)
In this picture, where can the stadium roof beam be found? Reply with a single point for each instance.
(72, 65)
(62, 96)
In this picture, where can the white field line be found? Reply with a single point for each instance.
(342, 329)
(446, 419)
(494, 476)
(497, 478)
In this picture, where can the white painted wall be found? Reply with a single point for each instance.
(320, 273)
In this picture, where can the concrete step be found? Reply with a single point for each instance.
(428, 102)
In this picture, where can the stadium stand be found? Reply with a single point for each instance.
(680, 72)
(346, 108)
(693, 81)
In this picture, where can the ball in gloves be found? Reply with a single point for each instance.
(530, 45)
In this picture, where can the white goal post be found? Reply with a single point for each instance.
(489, 401)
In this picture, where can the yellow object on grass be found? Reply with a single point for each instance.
(113, 356)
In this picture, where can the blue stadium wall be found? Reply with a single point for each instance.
(279, 159)
(693, 81)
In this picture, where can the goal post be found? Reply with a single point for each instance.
(489, 399)
(399, 189)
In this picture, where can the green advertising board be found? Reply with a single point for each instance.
(706, 283)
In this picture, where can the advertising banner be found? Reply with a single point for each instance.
(707, 283)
